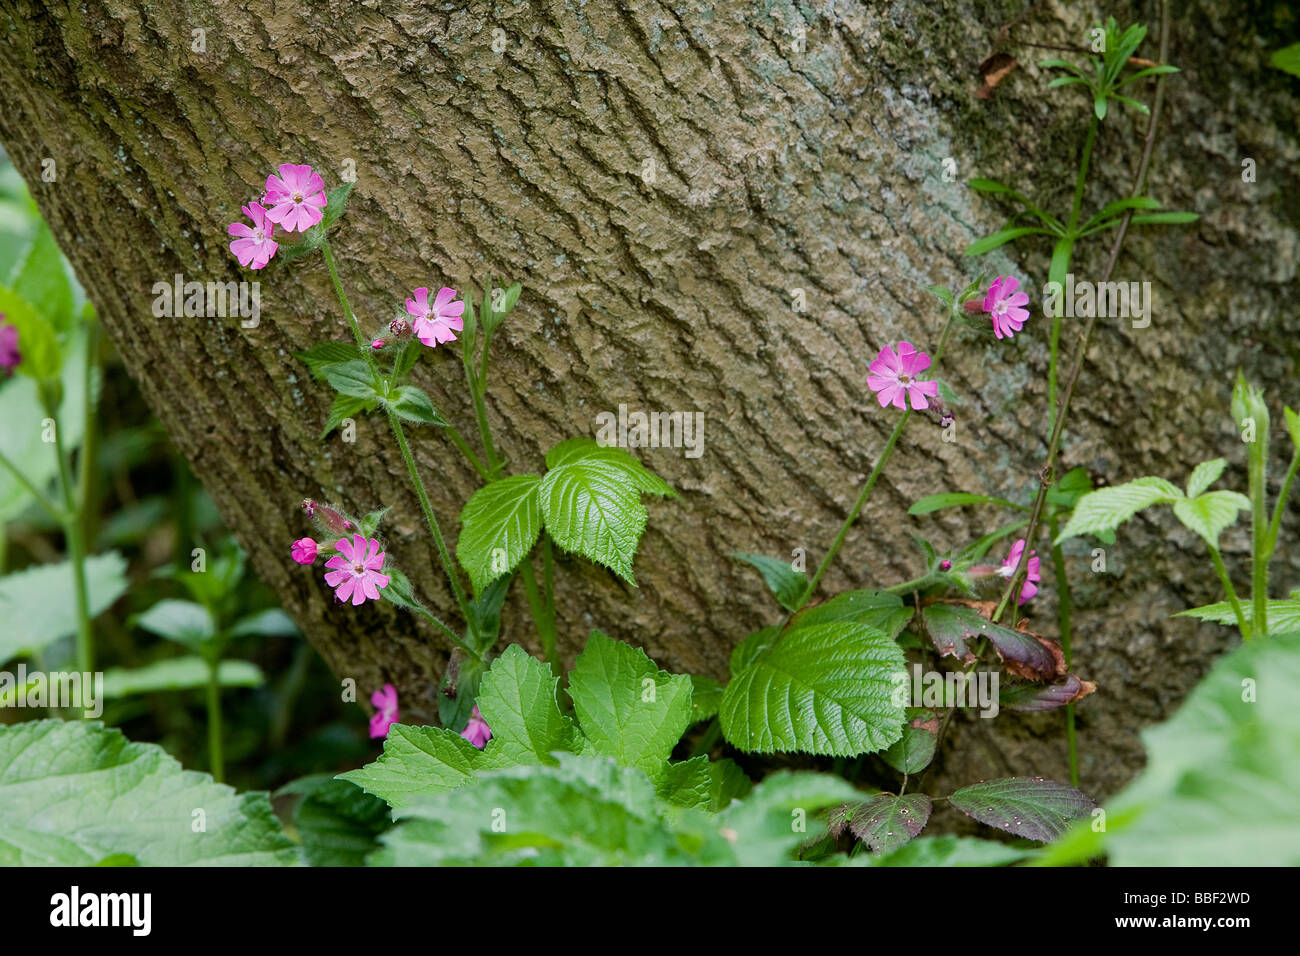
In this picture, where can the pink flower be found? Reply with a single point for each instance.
(1004, 304)
(304, 551)
(436, 323)
(477, 731)
(356, 570)
(254, 246)
(893, 376)
(1012, 562)
(385, 714)
(378, 344)
(296, 197)
(9, 354)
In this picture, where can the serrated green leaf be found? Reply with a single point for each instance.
(594, 508)
(38, 605)
(1031, 807)
(627, 707)
(878, 609)
(886, 822)
(75, 793)
(1107, 508)
(1210, 513)
(828, 688)
(768, 825)
(499, 526)
(417, 763)
(319, 357)
(517, 698)
(586, 449)
(1283, 614)
(706, 694)
(786, 584)
(747, 651)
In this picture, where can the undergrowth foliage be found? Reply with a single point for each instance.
(614, 761)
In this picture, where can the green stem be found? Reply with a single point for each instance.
(87, 472)
(1259, 535)
(46, 504)
(453, 577)
(1230, 591)
(1063, 608)
(215, 759)
(1282, 497)
(540, 615)
(74, 531)
(473, 459)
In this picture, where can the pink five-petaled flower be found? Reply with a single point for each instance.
(1006, 306)
(477, 730)
(254, 246)
(1012, 562)
(437, 322)
(304, 551)
(893, 376)
(296, 197)
(356, 570)
(10, 357)
(385, 714)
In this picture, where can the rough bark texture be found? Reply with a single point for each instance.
(778, 168)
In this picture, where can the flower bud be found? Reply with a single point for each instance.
(399, 327)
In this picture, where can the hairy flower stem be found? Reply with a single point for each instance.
(871, 479)
(216, 760)
(1257, 468)
(448, 567)
(1280, 504)
(1045, 473)
(1231, 592)
(1063, 607)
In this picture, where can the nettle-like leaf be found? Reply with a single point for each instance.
(1210, 513)
(1283, 614)
(418, 763)
(886, 822)
(588, 449)
(1204, 475)
(594, 508)
(499, 526)
(786, 584)
(517, 697)
(74, 794)
(338, 824)
(1107, 508)
(1221, 778)
(628, 708)
(38, 604)
(706, 695)
(767, 826)
(824, 688)
(1032, 807)
(879, 609)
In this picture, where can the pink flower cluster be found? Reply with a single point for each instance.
(293, 200)
(1006, 306)
(355, 568)
(1034, 575)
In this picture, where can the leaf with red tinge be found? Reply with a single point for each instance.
(1035, 697)
(953, 625)
(886, 822)
(1032, 807)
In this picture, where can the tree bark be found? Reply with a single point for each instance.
(669, 182)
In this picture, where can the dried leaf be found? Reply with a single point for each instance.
(994, 70)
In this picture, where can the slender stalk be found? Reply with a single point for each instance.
(74, 532)
(1280, 504)
(1072, 232)
(46, 504)
(1259, 523)
(1063, 607)
(1045, 473)
(537, 604)
(86, 465)
(1231, 592)
(871, 478)
(216, 760)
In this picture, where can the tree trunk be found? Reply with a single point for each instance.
(670, 183)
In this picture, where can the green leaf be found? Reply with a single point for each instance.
(1107, 508)
(913, 751)
(1031, 807)
(830, 688)
(1165, 218)
(369, 523)
(878, 609)
(272, 622)
(1000, 238)
(417, 763)
(42, 358)
(40, 279)
(343, 407)
(38, 605)
(178, 673)
(886, 822)
(517, 698)
(353, 379)
(485, 610)
(586, 449)
(1210, 513)
(942, 294)
(766, 827)
(1287, 58)
(400, 593)
(748, 650)
(957, 499)
(706, 695)
(338, 823)
(75, 793)
(627, 707)
(1283, 614)
(1069, 488)
(786, 584)
(413, 405)
(1220, 783)
(595, 509)
(319, 357)
(499, 526)
(184, 622)
(336, 202)
(1120, 205)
